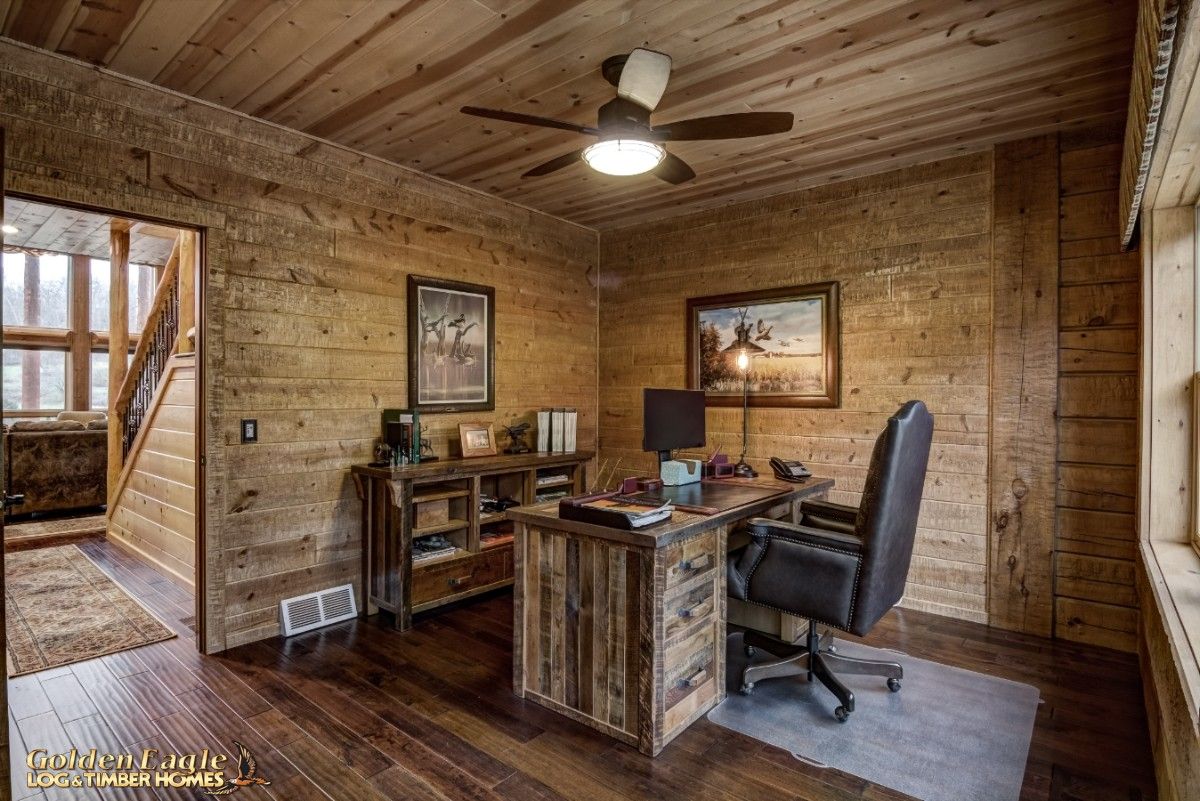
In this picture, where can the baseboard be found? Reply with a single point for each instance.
(148, 559)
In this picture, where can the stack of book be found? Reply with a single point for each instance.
(431, 547)
(557, 429)
(616, 511)
(402, 432)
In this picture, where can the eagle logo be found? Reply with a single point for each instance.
(247, 773)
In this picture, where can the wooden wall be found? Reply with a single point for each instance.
(912, 250)
(1099, 309)
(155, 511)
(307, 246)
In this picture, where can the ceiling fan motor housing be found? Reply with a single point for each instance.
(621, 117)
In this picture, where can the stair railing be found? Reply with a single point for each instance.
(154, 349)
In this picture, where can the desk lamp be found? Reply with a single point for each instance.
(743, 347)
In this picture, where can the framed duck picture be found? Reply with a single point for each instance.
(451, 345)
(780, 345)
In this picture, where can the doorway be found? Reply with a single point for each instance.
(100, 442)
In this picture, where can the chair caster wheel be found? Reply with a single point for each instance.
(747, 688)
(751, 651)
(841, 714)
(894, 685)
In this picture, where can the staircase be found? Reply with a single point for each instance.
(152, 435)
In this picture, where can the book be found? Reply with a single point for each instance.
(557, 432)
(543, 430)
(570, 422)
(638, 514)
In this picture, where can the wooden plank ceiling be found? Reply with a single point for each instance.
(55, 229)
(874, 84)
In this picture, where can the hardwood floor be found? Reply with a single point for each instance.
(358, 711)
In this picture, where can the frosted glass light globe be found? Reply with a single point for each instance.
(623, 156)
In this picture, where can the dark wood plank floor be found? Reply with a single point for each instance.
(358, 711)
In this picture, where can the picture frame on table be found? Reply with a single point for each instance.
(477, 439)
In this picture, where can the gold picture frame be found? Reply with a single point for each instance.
(476, 439)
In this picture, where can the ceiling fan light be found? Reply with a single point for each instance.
(624, 156)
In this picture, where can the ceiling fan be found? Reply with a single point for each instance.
(628, 144)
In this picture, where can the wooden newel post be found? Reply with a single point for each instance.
(118, 345)
(187, 291)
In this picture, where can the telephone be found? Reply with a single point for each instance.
(789, 470)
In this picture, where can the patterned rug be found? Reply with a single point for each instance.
(62, 609)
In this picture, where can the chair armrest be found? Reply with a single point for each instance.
(763, 527)
(828, 509)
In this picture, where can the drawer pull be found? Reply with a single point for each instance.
(458, 581)
(696, 679)
(699, 563)
(699, 610)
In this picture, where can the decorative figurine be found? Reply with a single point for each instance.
(427, 454)
(383, 454)
(516, 436)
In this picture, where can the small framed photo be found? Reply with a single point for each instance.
(477, 439)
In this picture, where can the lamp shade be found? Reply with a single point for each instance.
(623, 156)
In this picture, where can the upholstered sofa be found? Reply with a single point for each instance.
(58, 465)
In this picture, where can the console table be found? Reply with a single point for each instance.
(402, 504)
(625, 630)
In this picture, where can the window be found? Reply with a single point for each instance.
(35, 380)
(99, 392)
(143, 280)
(36, 289)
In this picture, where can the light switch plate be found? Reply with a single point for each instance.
(249, 431)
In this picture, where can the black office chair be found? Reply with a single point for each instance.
(840, 566)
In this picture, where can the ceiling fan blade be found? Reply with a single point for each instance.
(725, 126)
(565, 160)
(674, 170)
(644, 77)
(526, 119)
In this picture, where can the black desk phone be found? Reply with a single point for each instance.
(789, 470)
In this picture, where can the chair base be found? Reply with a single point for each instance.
(816, 657)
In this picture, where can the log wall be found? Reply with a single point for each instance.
(914, 250)
(1099, 308)
(307, 249)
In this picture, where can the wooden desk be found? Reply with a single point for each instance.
(625, 630)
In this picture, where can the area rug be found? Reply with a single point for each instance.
(948, 735)
(62, 609)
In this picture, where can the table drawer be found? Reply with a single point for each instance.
(686, 608)
(437, 581)
(690, 666)
(685, 560)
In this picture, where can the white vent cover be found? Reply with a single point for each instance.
(317, 609)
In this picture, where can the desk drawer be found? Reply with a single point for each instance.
(685, 560)
(684, 609)
(690, 666)
(437, 581)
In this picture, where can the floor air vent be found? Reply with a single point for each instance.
(317, 609)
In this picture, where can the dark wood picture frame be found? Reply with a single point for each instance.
(827, 291)
(418, 326)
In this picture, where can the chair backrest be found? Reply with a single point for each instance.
(887, 515)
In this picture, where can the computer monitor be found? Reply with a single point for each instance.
(672, 419)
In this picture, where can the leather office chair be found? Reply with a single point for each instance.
(840, 566)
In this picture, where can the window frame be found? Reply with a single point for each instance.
(68, 340)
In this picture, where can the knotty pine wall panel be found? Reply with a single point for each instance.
(912, 251)
(308, 246)
(1099, 309)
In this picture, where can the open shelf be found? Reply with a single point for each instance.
(439, 494)
(486, 518)
(459, 553)
(453, 524)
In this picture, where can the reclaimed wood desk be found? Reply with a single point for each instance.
(625, 630)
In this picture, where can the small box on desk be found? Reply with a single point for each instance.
(677, 472)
